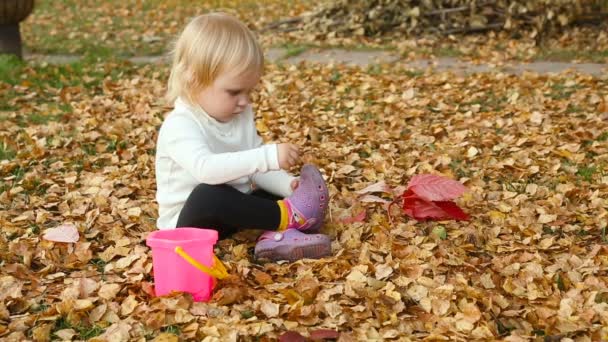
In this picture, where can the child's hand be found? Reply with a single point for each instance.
(289, 155)
(294, 184)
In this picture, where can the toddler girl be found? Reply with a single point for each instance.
(212, 169)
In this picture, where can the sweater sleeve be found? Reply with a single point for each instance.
(276, 182)
(185, 144)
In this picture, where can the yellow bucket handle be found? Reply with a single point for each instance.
(217, 271)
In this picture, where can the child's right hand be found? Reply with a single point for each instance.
(289, 155)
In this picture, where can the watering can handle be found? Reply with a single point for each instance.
(217, 270)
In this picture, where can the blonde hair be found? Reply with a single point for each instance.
(209, 45)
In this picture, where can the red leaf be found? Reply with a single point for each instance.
(323, 334)
(435, 188)
(452, 210)
(420, 209)
(292, 336)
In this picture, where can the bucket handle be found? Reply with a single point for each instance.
(217, 270)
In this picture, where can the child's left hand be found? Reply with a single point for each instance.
(295, 183)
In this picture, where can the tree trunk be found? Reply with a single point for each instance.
(10, 40)
(12, 12)
(15, 11)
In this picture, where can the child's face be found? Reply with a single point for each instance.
(228, 95)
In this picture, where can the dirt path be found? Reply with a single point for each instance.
(365, 58)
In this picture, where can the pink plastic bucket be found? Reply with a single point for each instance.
(179, 257)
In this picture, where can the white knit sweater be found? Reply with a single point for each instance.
(194, 148)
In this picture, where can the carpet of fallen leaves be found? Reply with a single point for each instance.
(575, 44)
(136, 27)
(531, 263)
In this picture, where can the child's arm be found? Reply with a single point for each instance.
(185, 143)
(275, 182)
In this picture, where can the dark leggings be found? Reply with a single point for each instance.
(227, 210)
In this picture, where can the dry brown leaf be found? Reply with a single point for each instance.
(166, 337)
(109, 291)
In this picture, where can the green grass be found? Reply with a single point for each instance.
(40, 308)
(172, 329)
(85, 332)
(41, 118)
(447, 52)
(10, 67)
(440, 232)
(560, 282)
(99, 264)
(587, 172)
(503, 330)
(35, 229)
(459, 168)
(601, 297)
(90, 332)
(6, 152)
(247, 314)
(114, 145)
(539, 332)
(89, 148)
(514, 186)
(413, 73)
(572, 108)
(292, 50)
(90, 32)
(335, 77)
(19, 79)
(559, 91)
(132, 27)
(19, 173)
(374, 69)
(489, 102)
(40, 85)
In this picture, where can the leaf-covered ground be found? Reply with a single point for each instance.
(77, 146)
(135, 27)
